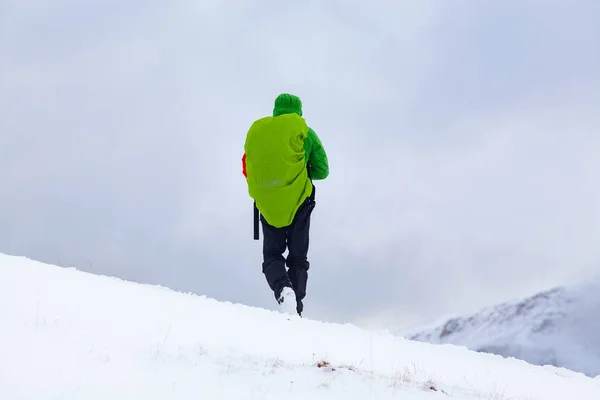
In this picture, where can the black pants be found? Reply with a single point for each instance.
(296, 239)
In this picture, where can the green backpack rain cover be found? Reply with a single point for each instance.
(277, 176)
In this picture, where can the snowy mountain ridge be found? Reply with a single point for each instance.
(559, 327)
(74, 335)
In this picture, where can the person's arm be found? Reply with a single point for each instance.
(317, 157)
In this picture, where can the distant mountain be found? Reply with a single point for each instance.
(559, 327)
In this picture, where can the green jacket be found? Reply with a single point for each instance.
(278, 154)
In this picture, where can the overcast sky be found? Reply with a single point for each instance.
(463, 139)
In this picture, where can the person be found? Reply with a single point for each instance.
(282, 157)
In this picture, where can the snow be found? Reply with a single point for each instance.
(558, 327)
(66, 334)
(288, 301)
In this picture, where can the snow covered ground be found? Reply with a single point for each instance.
(558, 327)
(65, 334)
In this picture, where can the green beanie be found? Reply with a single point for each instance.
(287, 103)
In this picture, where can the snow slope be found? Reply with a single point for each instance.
(558, 327)
(65, 334)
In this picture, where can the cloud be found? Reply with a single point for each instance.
(462, 142)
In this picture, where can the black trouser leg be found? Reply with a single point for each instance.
(274, 245)
(298, 243)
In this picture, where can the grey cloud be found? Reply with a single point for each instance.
(462, 142)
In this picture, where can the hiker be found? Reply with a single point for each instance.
(282, 156)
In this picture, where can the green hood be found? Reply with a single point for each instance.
(287, 103)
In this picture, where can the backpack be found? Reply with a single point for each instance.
(275, 167)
